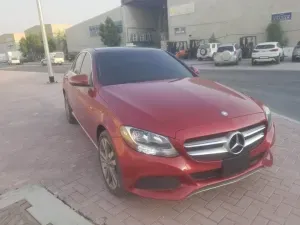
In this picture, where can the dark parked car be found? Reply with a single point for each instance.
(296, 54)
(159, 129)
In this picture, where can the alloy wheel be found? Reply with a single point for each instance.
(108, 163)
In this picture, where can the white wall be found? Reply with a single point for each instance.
(233, 19)
(78, 36)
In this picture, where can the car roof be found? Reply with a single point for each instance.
(268, 43)
(127, 49)
(228, 44)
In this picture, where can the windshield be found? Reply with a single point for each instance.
(121, 67)
(265, 46)
(225, 48)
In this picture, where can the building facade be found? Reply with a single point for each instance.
(10, 42)
(86, 34)
(232, 20)
(52, 30)
(155, 22)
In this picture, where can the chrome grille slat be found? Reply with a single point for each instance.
(208, 152)
(254, 139)
(253, 131)
(204, 143)
(217, 146)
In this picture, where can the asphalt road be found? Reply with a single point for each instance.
(35, 67)
(280, 90)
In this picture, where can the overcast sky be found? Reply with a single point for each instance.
(18, 15)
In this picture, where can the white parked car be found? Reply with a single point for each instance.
(207, 51)
(267, 52)
(228, 54)
(14, 61)
(57, 58)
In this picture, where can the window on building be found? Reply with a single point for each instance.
(94, 30)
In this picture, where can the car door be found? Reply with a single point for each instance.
(71, 90)
(86, 97)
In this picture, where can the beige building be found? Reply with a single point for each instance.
(86, 34)
(10, 42)
(51, 29)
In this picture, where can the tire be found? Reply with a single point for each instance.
(200, 59)
(237, 62)
(70, 118)
(108, 159)
(217, 64)
(277, 60)
(293, 59)
(213, 56)
(282, 58)
(253, 62)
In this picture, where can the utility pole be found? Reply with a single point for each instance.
(45, 41)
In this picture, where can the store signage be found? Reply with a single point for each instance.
(282, 16)
(140, 37)
(182, 9)
(179, 30)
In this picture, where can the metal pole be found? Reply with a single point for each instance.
(46, 47)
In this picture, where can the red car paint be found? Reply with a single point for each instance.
(179, 110)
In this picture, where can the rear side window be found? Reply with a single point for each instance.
(205, 46)
(265, 46)
(225, 48)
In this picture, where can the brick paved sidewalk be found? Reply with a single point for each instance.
(38, 146)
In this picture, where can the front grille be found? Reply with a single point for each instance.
(214, 147)
(217, 173)
(158, 183)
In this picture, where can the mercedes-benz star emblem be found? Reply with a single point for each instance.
(224, 113)
(236, 143)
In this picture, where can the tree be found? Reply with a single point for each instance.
(34, 46)
(275, 33)
(62, 42)
(51, 44)
(109, 33)
(23, 47)
(213, 39)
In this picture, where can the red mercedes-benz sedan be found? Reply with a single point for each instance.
(160, 130)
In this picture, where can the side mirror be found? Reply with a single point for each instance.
(79, 80)
(195, 70)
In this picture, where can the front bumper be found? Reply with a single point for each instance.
(179, 172)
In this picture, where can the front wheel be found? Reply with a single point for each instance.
(109, 164)
(71, 119)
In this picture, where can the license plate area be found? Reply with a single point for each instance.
(235, 165)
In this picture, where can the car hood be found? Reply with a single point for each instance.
(171, 105)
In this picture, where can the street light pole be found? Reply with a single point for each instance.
(46, 47)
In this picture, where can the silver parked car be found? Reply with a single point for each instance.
(296, 53)
(228, 54)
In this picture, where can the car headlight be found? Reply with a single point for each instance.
(268, 115)
(147, 142)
